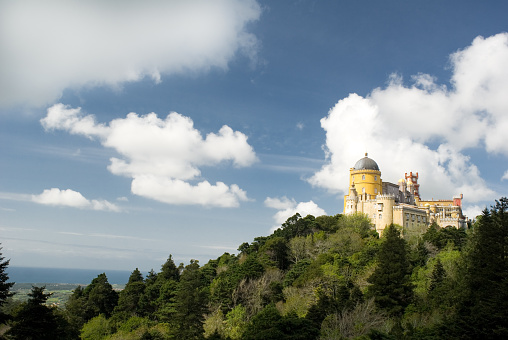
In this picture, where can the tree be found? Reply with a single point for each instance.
(440, 237)
(391, 286)
(128, 301)
(437, 277)
(190, 303)
(75, 309)
(147, 301)
(96, 328)
(169, 271)
(270, 325)
(100, 297)
(353, 323)
(5, 286)
(483, 314)
(36, 321)
(275, 252)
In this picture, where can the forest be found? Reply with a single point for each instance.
(326, 277)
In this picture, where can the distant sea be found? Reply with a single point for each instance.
(61, 275)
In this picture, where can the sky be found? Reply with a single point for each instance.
(131, 130)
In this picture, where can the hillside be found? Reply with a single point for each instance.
(329, 277)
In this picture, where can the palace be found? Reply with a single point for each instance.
(400, 203)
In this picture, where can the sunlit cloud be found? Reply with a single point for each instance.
(288, 207)
(162, 156)
(71, 198)
(401, 125)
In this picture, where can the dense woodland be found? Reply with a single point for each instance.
(330, 277)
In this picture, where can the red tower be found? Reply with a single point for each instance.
(414, 179)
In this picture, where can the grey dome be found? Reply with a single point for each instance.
(366, 164)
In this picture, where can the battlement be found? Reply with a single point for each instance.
(385, 197)
(385, 203)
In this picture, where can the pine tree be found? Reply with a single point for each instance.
(36, 321)
(437, 277)
(169, 271)
(5, 287)
(75, 309)
(391, 286)
(128, 301)
(484, 312)
(190, 303)
(147, 301)
(100, 297)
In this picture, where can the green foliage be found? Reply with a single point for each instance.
(96, 328)
(359, 223)
(391, 286)
(169, 271)
(483, 313)
(331, 276)
(75, 308)
(147, 303)
(128, 301)
(328, 224)
(274, 253)
(296, 226)
(100, 297)
(236, 323)
(36, 321)
(437, 278)
(440, 237)
(270, 324)
(296, 270)
(5, 287)
(190, 303)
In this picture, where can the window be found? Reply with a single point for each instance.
(363, 190)
(375, 190)
(363, 177)
(380, 216)
(375, 178)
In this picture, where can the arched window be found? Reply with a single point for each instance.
(363, 177)
(375, 178)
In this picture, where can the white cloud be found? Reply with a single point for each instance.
(289, 207)
(71, 198)
(162, 156)
(398, 124)
(48, 46)
(505, 175)
(471, 211)
(175, 191)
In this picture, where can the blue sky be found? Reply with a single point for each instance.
(135, 130)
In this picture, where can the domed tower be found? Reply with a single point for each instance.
(365, 177)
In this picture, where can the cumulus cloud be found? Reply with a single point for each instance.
(471, 211)
(175, 191)
(162, 155)
(289, 207)
(425, 127)
(48, 46)
(71, 198)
